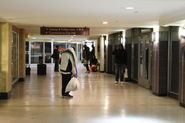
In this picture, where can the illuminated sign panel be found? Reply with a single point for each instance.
(64, 31)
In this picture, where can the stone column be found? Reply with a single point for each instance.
(22, 40)
(160, 62)
(6, 55)
(102, 43)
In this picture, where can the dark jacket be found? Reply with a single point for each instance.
(120, 56)
(55, 54)
(86, 54)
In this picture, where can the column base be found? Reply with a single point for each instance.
(183, 105)
(4, 95)
(21, 80)
(173, 95)
(159, 94)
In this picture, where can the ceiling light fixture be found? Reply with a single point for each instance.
(34, 38)
(129, 8)
(104, 22)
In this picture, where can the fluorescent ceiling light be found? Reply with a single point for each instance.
(34, 38)
(130, 8)
(104, 22)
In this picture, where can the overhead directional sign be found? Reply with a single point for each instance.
(64, 31)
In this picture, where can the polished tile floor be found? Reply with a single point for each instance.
(99, 100)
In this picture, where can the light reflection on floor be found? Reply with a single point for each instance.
(127, 120)
(99, 100)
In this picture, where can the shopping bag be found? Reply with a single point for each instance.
(126, 73)
(73, 85)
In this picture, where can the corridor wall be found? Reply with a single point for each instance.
(6, 55)
(6, 58)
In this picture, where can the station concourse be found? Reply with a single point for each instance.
(151, 32)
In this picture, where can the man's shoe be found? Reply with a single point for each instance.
(67, 96)
(70, 96)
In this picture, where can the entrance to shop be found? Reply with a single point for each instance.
(44, 50)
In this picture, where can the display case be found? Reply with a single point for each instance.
(15, 57)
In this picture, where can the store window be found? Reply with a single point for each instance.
(36, 52)
(48, 52)
(27, 52)
(44, 50)
(15, 56)
(41, 50)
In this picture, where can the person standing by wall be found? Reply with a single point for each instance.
(68, 69)
(55, 56)
(120, 63)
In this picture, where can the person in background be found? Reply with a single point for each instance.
(68, 69)
(120, 63)
(55, 56)
(93, 51)
(93, 60)
(86, 57)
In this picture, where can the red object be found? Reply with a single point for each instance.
(61, 49)
(93, 68)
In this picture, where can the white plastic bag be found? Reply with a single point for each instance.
(126, 73)
(73, 85)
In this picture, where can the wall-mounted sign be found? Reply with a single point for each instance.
(64, 31)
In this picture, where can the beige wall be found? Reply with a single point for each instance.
(6, 40)
(6, 55)
(0, 50)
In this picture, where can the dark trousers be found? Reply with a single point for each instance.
(65, 80)
(56, 65)
(87, 67)
(119, 72)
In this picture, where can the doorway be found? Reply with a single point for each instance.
(173, 62)
(144, 60)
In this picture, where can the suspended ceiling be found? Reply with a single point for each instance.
(31, 14)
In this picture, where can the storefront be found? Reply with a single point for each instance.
(35, 49)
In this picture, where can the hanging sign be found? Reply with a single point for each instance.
(64, 31)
